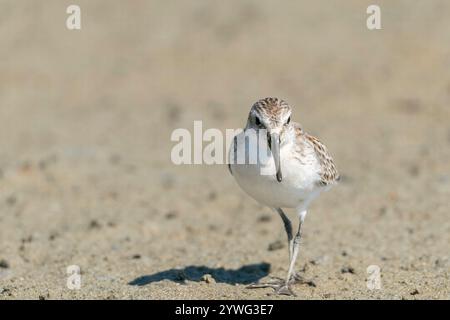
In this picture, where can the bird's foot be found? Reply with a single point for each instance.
(285, 290)
(277, 284)
(274, 284)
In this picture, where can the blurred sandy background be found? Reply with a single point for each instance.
(85, 123)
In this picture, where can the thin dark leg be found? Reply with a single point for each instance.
(288, 227)
(278, 283)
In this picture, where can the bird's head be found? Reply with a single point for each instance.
(272, 115)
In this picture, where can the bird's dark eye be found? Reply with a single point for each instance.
(288, 120)
(257, 121)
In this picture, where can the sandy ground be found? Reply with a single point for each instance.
(85, 172)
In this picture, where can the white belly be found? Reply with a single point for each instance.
(297, 188)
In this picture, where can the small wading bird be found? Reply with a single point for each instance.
(296, 170)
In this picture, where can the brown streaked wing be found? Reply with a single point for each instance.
(329, 174)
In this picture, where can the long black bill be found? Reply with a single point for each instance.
(274, 145)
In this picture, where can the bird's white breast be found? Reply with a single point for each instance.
(300, 175)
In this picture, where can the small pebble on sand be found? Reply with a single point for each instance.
(347, 269)
(277, 245)
(4, 264)
(414, 292)
(208, 278)
(265, 218)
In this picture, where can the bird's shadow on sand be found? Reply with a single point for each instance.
(244, 275)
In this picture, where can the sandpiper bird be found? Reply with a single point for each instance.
(295, 171)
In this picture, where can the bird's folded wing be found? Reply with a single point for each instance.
(329, 174)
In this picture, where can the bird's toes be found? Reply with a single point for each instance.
(277, 284)
(286, 291)
(274, 284)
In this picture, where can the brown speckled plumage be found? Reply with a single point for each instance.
(271, 109)
(329, 174)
